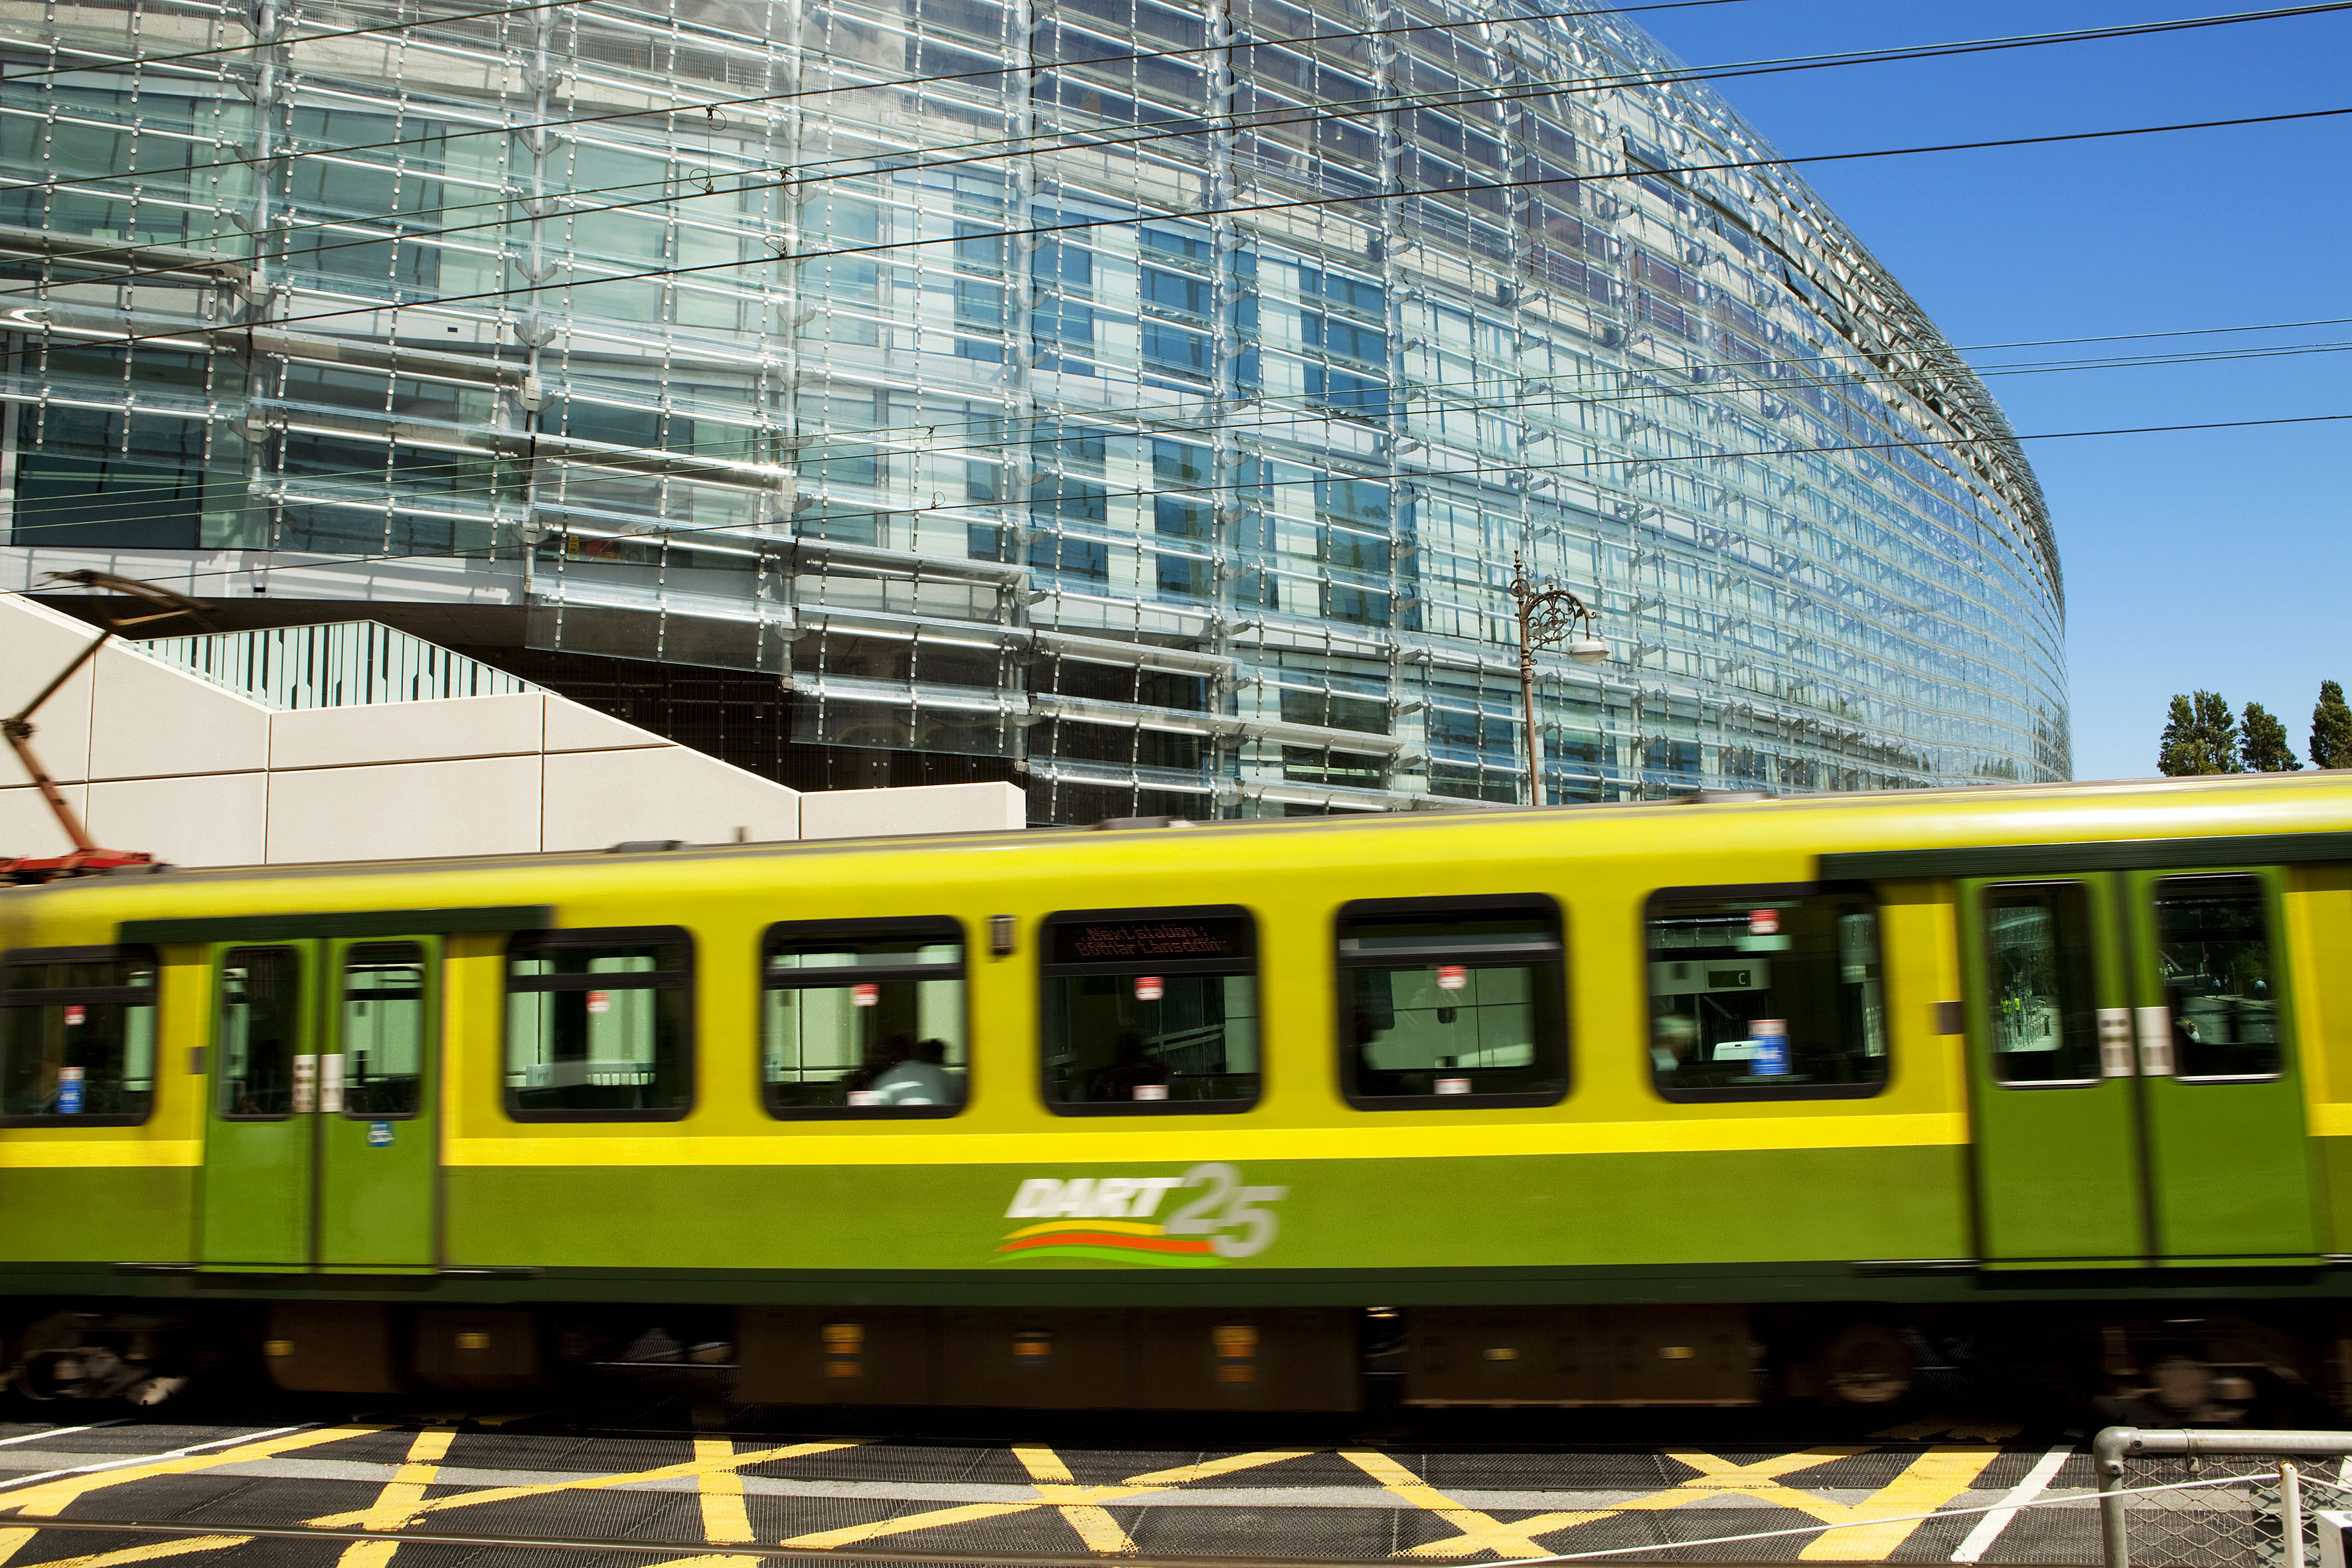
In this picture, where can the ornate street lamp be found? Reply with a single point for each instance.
(1548, 613)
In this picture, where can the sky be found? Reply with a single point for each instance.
(2218, 560)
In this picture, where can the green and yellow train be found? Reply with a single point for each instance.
(1694, 1102)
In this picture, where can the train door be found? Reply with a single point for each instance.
(320, 1149)
(2132, 1066)
(2228, 1157)
(2058, 1164)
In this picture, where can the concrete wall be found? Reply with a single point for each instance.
(160, 760)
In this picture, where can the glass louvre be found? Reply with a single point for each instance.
(863, 399)
(1771, 995)
(598, 1026)
(77, 1037)
(1149, 1011)
(864, 1020)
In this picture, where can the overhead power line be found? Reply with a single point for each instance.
(1247, 209)
(991, 150)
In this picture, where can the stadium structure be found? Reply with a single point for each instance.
(1144, 403)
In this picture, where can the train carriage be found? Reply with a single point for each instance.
(1694, 1103)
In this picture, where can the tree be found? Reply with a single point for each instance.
(2200, 736)
(2331, 729)
(2261, 743)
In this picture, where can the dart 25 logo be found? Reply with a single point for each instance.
(1115, 1219)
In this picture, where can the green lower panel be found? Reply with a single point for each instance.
(103, 1214)
(1729, 1210)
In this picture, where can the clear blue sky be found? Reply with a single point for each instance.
(2214, 559)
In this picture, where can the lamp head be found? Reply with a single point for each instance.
(1588, 650)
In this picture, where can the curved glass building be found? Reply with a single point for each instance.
(1146, 401)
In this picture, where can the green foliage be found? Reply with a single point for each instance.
(2261, 743)
(2200, 736)
(2331, 729)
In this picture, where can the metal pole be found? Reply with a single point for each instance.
(1527, 709)
(2291, 1512)
(2108, 1451)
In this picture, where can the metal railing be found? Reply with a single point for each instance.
(2158, 1508)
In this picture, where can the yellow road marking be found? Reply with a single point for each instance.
(150, 1551)
(1093, 1522)
(1479, 1532)
(1079, 1497)
(49, 1499)
(725, 1521)
(1926, 1484)
(695, 1468)
(396, 1506)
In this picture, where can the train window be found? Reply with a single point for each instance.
(1149, 1011)
(1770, 992)
(78, 1036)
(2040, 968)
(384, 1029)
(1448, 1002)
(863, 1018)
(2212, 940)
(598, 1026)
(260, 1032)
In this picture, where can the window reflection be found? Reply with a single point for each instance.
(1149, 1013)
(2039, 971)
(870, 1022)
(1767, 994)
(2212, 938)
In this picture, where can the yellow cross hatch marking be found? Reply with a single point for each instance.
(694, 1469)
(1479, 1532)
(724, 1520)
(396, 1504)
(49, 1498)
(1069, 1496)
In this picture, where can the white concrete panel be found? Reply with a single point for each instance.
(216, 819)
(27, 825)
(598, 799)
(36, 642)
(407, 731)
(152, 721)
(488, 806)
(923, 808)
(575, 727)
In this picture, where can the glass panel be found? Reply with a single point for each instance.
(384, 1029)
(1149, 1011)
(843, 1027)
(617, 1045)
(1773, 994)
(2212, 941)
(1470, 1007)
(2040, 969)
(260, 1030)
(86, 1048)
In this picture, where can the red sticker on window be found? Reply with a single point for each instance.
(1149, 988)
(74, 1015)
(864, 995)
(1452, 978)
(1764, 922)
(599, 1001)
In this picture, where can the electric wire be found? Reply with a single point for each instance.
(1295, 205)
(680, 462)
(993, 149)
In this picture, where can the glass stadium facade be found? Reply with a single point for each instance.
(1145, 401)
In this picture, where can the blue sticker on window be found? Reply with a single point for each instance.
(69, 1091)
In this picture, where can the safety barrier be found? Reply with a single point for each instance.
(2158, 1508)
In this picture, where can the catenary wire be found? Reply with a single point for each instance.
(869, 442)
(1295, 205)
(863, 443)
(917, 160)
(668, 535)
(1633, 79)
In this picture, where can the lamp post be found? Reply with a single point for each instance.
(1548, 613)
